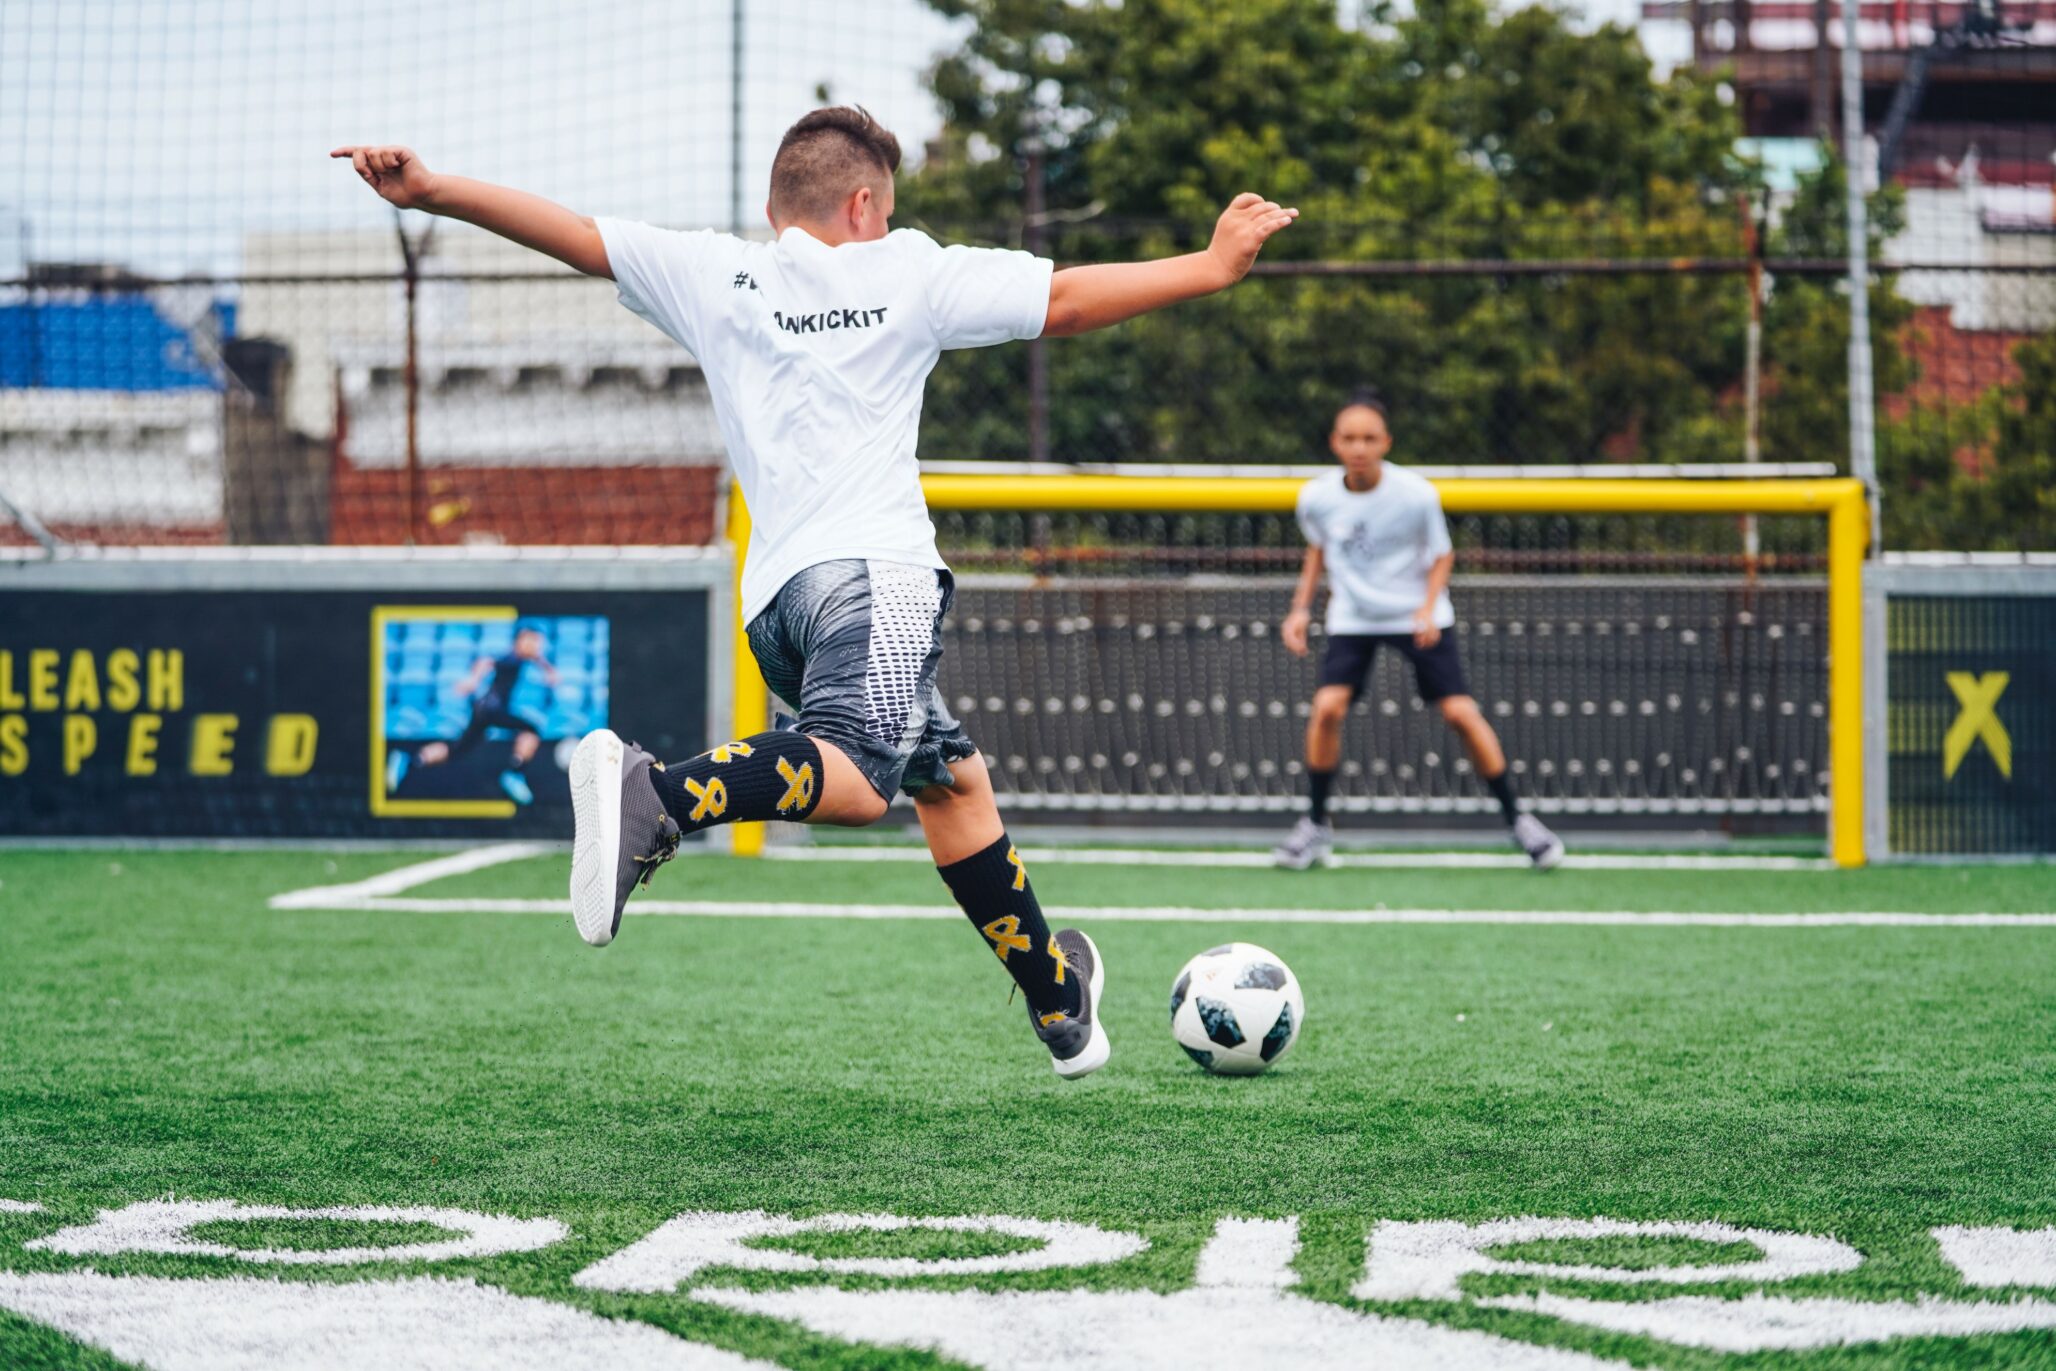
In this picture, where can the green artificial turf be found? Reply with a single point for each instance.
(166, 1033)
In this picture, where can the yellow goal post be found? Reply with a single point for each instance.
(1840, 502)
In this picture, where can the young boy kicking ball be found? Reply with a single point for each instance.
(816, 347)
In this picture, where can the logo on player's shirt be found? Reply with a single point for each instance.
(745, 281)
(829, 320)
(1357, 547)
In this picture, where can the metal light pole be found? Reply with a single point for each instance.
(412, 254)
(735, 117)
(1863, 457)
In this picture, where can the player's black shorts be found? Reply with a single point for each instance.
(1437, 670)
(854, 645)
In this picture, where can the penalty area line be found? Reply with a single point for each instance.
(407, 877)
(764, 909)
(386, 893)
(1382, 861)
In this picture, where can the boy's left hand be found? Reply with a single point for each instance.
(1426, 635)
(1242, 230)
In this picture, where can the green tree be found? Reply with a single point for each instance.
(1451, 132)
(1806, 332)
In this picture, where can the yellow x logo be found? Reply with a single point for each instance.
(799, 785)
(1006, 935)
(1020, 871)
(1979, 696)
(712, 797)
(1056, 954)
(728, 752)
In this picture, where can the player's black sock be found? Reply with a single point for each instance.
(992, 887)
(1317, 783)
(764, 776)
(1501, 787)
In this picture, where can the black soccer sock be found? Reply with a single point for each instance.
(763, 776)
(1317, 783)
(992, 887)
(1501, 787)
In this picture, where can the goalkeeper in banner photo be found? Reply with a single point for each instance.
(1376, 530)
(816, 346)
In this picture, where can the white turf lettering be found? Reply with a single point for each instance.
(166, 1226)
(1241, 1308)
(696, 1242)
(1763, 1323)
(1990, 1257)
(1229, 1324)
(1427, 1261)
(248, 1324)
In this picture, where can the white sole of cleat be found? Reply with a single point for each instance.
(1097, 1047)
(596, 833)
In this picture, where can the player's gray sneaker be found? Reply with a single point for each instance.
(1309, 843)
(1531, 836)
(621, 832)
(1078, 1043)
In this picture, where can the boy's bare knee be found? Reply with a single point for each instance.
(1330, 709)
(1459, 710)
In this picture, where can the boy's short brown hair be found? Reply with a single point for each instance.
(825, 157)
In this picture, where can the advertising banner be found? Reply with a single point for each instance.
(409, 697)
(1971, 719)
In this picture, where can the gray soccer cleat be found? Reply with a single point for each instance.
(620, 831)
(1533, 837)
(1308, 844)
(1077, 1043)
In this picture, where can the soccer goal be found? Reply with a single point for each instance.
(1671, 651)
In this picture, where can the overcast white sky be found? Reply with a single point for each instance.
(158, 132)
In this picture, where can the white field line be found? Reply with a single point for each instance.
(408, 877)
(385, 893)
(1099, 856)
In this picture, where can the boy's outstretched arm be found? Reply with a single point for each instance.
(402, 180)
(1085, 298)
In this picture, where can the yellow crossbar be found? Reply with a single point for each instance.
(1838, 500)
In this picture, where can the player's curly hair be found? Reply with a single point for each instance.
(825, 157)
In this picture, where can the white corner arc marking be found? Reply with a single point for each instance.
(165, 1226)
(1427, 1261)
(21, 1207)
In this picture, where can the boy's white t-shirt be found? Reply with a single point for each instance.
(1378, 545)
(815, 358)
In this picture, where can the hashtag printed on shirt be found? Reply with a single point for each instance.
(815, 359)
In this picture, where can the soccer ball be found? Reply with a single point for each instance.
(1236, 1009)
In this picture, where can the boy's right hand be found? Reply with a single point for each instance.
(1294, 631)
(1242, 230)
(395, 173)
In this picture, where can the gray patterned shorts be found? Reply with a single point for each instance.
(854, 646)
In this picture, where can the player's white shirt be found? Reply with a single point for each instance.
(815, 358)
(1378, 545)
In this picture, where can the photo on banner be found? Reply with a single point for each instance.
(475, 709)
